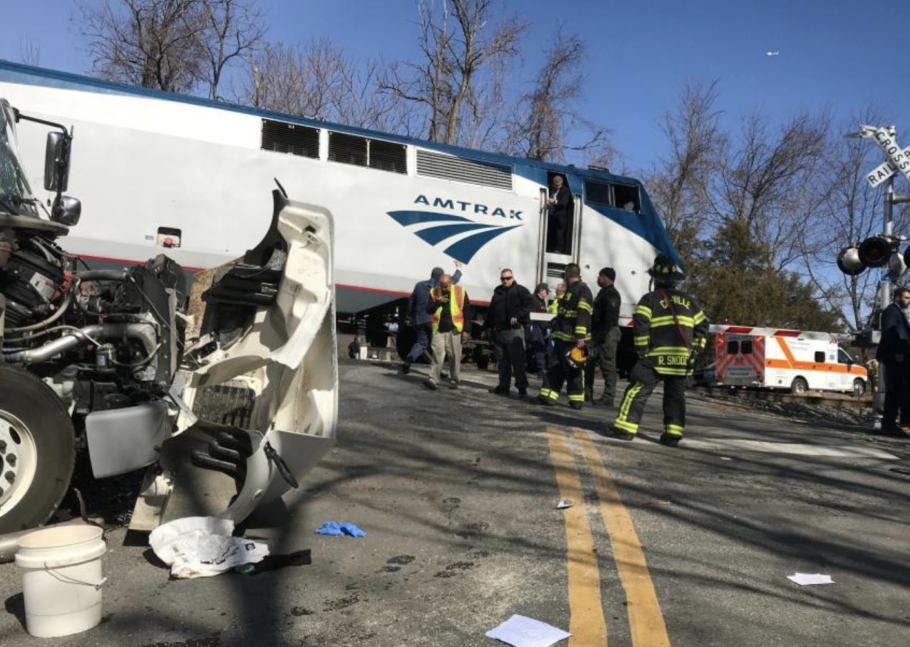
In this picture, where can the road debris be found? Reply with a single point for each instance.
(807, 579)
(563, 504)
(338, 529)
(521, 631)
(203, 547)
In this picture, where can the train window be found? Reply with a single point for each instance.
(819, 357)
(746, 348)
(347, 149)
(732, 347)
(387, 156)
(598, 193)
(292, 139)
(627, 197)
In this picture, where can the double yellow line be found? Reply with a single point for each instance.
(587, 622)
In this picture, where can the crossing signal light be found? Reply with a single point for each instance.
(850, 263)
(877, 251)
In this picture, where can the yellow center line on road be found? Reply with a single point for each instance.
(646, 621)
(586, 614)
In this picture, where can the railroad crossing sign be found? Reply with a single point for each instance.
(898, 159)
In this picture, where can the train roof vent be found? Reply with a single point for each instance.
(347, 149)
(282, 137)
(461, 169)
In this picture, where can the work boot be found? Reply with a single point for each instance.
(453, 384)
(589, 396)
(621, 434)
(542, 401)
(522, 394)
(605, 402)
(670, 440)
(431, 384)
(500, 390)
(575, 405)
(406, 366)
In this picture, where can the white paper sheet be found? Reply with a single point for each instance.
(563, 504)
(521, 631)
(806, 579)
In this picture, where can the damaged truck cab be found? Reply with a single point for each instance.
(113, 364)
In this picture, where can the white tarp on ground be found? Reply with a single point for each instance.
(203, 546)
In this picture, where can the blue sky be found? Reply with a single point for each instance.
(834, 54)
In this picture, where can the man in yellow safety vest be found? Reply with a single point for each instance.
(451, 312)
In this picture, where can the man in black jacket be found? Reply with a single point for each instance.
(894, 356)
(538, 334)
(507, 318)
(558, 217)
(605, 336)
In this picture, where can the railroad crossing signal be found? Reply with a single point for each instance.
(898, 159)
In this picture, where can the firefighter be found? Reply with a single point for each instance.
(669, 331)
(571, 332)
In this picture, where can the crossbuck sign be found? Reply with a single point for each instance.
(898, 160)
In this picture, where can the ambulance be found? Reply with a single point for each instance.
(785, 359)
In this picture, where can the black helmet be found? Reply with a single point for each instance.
(665, 270)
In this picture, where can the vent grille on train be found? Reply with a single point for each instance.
(282, 137)
(460, 169)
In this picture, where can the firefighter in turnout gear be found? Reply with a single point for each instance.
(669, 331)
(571, 332)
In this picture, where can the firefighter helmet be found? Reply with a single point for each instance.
(665, 270)
(577, 357)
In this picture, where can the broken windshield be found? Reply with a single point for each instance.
(15, 195)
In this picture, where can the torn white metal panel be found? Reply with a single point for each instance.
(288, 358)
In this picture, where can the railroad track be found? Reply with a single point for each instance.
(812, 398)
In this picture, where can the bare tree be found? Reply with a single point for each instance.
(678, 185)
(548, 112)
(849, 211)
(29, 52)
(150, 43)
(765, 181)
(319, 80)
(458, 40)
(232, 29)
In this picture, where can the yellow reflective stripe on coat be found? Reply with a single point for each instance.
(587, 307)
(680, 351)
(642, 341)
(685, 322)
(700, 317)
(644, 311)
(663, 370)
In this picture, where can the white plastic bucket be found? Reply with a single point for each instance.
(61, 579)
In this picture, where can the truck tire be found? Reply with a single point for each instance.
(37, 450)
(859, 388)
(799, 386)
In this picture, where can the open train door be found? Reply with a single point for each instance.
(551, 260)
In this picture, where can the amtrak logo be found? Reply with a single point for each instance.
(448, 228)
(445, 228)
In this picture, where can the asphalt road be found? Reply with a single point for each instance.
(456, 491)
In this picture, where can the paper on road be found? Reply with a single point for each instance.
(805, 579)
(203, 546)
(563, 504)
(520, 631)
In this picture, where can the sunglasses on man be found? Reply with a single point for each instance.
(505, 278)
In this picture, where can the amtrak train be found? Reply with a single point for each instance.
(164, 172)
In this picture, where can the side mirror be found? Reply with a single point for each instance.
(66, 211)
(57, 162)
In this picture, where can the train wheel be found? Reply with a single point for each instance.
(37, 450)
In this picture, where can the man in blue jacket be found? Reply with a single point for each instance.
(894, 356)
(420, 318)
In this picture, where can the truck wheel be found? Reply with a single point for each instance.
(799, 386)
(859, 388)
(37, 450)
